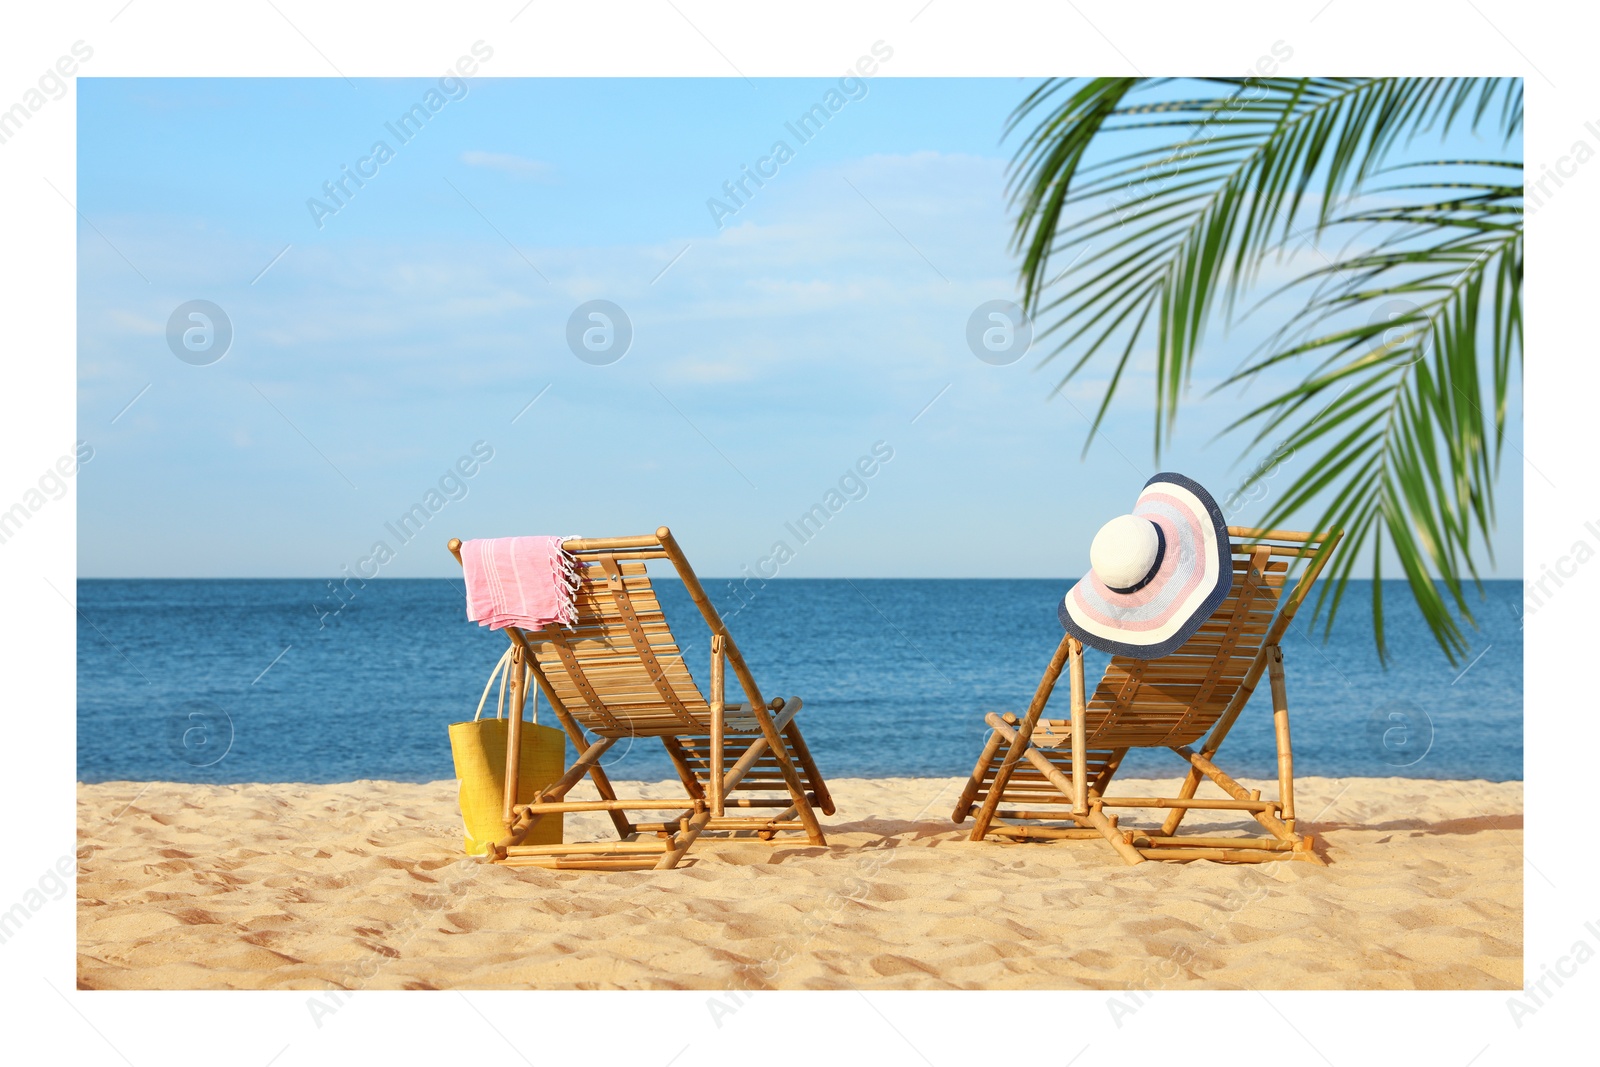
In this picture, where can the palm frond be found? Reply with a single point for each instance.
(1207, 209)
(1425, 426)
(1403, 419)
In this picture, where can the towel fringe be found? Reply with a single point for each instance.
(569, 573)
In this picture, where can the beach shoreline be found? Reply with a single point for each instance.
(363, 885)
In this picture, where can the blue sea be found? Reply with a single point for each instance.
(279, 681)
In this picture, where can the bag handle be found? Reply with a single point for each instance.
(504, 657)
(502, 670)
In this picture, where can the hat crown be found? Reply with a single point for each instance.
(1124, 551)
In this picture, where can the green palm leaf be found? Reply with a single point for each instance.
(1402, 419)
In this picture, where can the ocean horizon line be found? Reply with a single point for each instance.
(675, 578)
(220, 783)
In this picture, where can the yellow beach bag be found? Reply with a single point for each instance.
(479, 749)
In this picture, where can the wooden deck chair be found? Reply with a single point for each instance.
(618, 673)
(1052, 774)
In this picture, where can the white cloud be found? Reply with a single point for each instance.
(136, 324)
(702, 371)
(516, 166)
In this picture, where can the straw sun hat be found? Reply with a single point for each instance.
(1155, 575)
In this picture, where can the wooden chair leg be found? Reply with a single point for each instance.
(1080, 744)
(813, 774)
(602, 783)
(519, 696)
(791, 777)
(1280, 725)
(807, 814)
(1107, 772)
(680, 763)
(1191, 785)
(969, 792)
(1002, 774)
(1020, 740)
(718, 711)
(800, 803)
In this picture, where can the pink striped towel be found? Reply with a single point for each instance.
(526, 582)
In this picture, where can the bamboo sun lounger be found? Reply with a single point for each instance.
(618, 673)
(1051, 775)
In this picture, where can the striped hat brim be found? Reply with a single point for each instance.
(1190, 580)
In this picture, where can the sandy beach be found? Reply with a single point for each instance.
(363, 885)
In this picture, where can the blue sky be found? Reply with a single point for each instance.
(375, 345)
